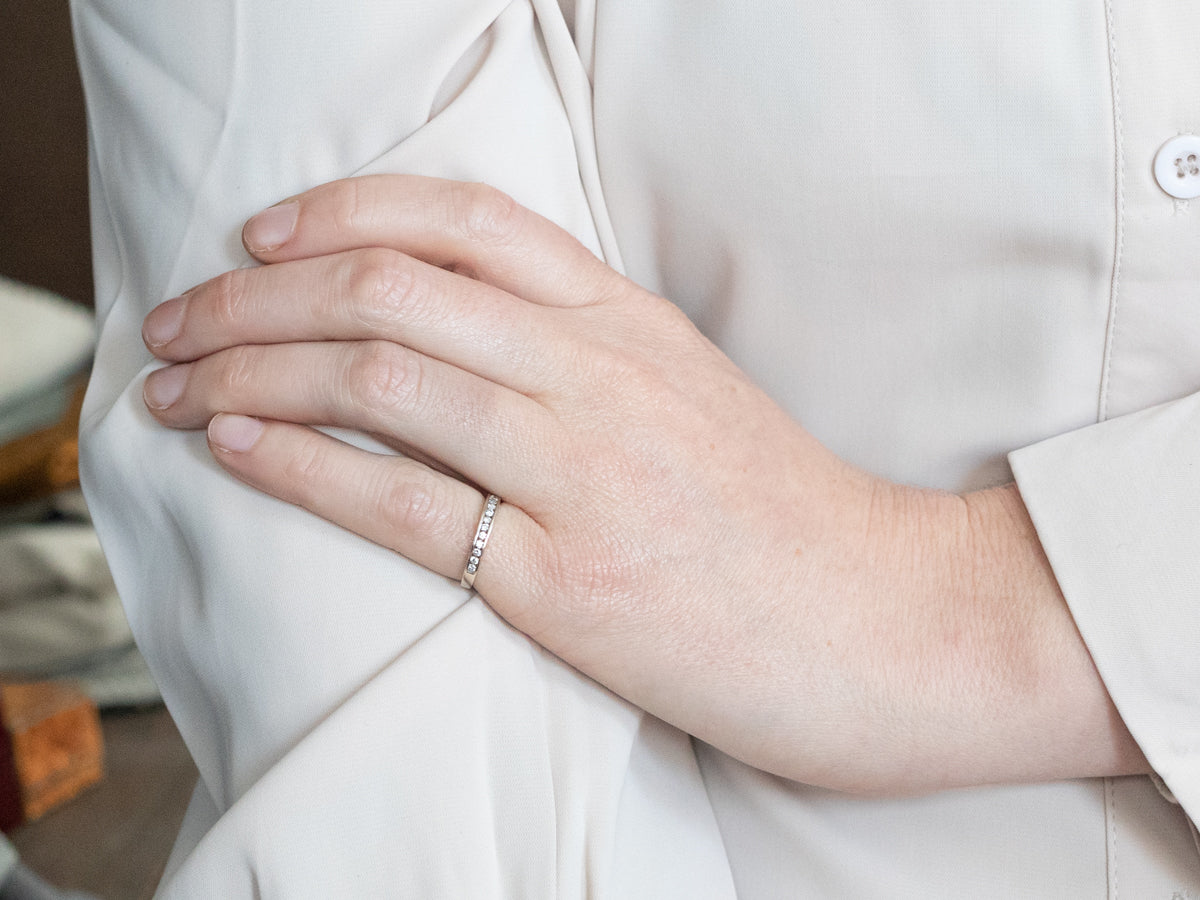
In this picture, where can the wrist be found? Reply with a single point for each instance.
(979, 672)
(1062, 722)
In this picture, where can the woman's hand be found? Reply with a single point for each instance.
(667, 529)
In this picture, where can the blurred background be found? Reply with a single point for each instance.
(93, 776)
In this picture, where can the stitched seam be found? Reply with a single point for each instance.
(231, 104)
(1119, 230)
(1110, 827)
(575, 90)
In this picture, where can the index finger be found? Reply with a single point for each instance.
(470, 228)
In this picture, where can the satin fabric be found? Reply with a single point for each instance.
(931, 231)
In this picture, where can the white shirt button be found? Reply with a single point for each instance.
(1177, 166)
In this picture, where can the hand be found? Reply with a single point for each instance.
(667, 529)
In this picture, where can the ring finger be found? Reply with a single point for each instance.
(491, 435)
(396, 502)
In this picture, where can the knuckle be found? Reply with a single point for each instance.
(382, 287)
(616, 367)
(305, 470)
(408, 505)
(594, 571)
(384, 377)
(487, 214)
(352, 206)
(598, 583)
(228, 293)
(634, 383)
(238, 373)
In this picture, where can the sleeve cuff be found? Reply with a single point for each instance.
(1117, 509)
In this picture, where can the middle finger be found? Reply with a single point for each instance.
(359, 295)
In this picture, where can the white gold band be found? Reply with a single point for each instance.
(481, 538)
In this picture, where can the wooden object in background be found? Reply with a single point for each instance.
(57, 745)
(114, 839)
(44, 462)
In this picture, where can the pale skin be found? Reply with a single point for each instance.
(667, 529)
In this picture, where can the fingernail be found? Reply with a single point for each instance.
(234, 434)
(271, 228)
(163, 324)
(165, 386)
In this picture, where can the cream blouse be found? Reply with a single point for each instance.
(934, 231)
